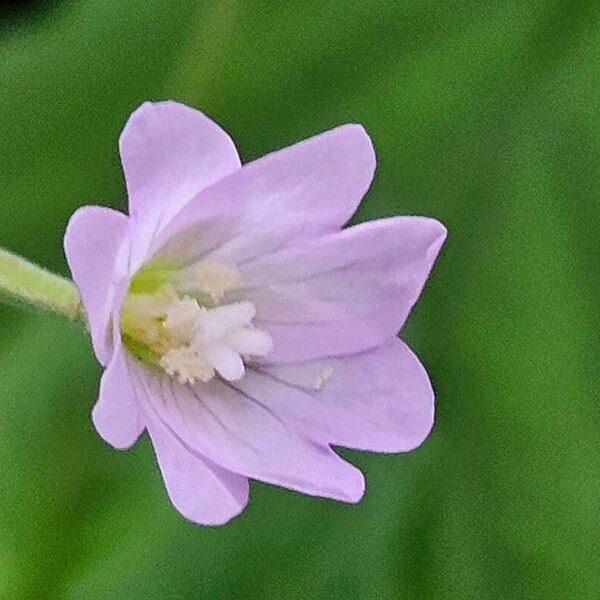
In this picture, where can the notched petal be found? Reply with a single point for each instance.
(93, 240)
(116, 415)
(200, 490)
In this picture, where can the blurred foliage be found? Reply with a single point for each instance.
(485, 115)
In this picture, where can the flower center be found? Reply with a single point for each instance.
(180, 322)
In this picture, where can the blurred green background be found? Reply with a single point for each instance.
(484, 115)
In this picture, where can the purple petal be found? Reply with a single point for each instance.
(200, 490)
(170, 152)
(116, 415)
(92, 242)
(345, 292)
(308, 189)
(381, 400)
(240, 435)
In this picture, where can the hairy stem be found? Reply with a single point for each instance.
(26, 283)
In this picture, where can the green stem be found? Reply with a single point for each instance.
(24, 282)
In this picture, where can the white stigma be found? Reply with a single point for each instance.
(225, 335)
(215, 339)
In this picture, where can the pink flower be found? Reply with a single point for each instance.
(239, 324)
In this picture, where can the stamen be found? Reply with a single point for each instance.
(185, 364)
(214, 279)
(189, 337)
(326, 374)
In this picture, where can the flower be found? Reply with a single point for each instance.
(239, 324)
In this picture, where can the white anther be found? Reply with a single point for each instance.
(209, 277)
(216, 278)
(193, 339)
(325, 374)
(186, 365)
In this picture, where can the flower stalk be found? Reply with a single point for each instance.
(22, 282)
